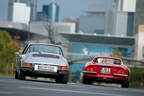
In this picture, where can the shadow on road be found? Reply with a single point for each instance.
(42, 80)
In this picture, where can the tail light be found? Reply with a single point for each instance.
(28, 65)
(121, 72)
(89, 69)
(63, 68)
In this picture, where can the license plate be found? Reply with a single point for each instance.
(105, 70)
(46, 68)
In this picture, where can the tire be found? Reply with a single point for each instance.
(62, 79)
(86, 80)
(16, 75)
(21, 75)
(125, 84)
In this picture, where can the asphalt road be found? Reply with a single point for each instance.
(29, 87)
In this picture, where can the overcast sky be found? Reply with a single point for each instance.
(72, 7)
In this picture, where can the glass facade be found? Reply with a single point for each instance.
(49, 13)
(89, 50)
(53, 12)
(130, 24)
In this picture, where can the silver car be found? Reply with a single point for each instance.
(42, 60)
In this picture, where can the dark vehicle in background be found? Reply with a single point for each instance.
(106, 69)
(42, 60)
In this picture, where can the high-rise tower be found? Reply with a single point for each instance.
(53, 12)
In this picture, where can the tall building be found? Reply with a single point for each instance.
(6, 7)
(33, 6)
(49, 13)
(53, 12)
(139, 50)
(114, 19)
(21, 13)
(139, 15)
(124, 17)
(99, 19)
(13, 11)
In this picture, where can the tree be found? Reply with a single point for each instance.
(116, 53)
(7, 51)
(50, 29)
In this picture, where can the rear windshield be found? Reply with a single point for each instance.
(44, 48)
(108, 60)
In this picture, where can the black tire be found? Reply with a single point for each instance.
(62, 79)
(21, 75)
(125, 84)
(86, 80)
(16, 75)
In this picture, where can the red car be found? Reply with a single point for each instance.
(106, 69)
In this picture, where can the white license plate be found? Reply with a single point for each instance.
(105, 70)
(46, 68)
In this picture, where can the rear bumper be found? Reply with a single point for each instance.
(120, 75)
(33, 73)
(99, 77)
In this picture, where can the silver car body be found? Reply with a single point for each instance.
(42, 60)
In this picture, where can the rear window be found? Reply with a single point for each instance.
(44, 48)
(108, 60)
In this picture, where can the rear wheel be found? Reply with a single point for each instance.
(21, 75)
(62, 79)
(86, 80)
(16, 75)
(125, 84)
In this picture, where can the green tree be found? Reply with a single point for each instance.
(7, 51)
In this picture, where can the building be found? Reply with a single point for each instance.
(139, 15)
(124, 17)
(21, 13)
(98, 19)
(49, 13)
(58, 27)
(53, 12)
(72, 20)
(139, 50)
(6, 10)
(14, 12)
(114, 19)
(33, 5)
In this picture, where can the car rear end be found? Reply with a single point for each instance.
(44, 70)
(99, 72)
(106, 72)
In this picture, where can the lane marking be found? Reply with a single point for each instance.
(72, 91)
(128, 90)
(5, 92)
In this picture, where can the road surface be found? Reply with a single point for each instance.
(29, 87)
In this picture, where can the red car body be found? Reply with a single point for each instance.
(106, 69)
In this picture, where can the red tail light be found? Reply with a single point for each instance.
(89, 69)
(28, 65)
(63, 68)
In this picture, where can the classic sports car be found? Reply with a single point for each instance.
(42, 60)
(106, 69)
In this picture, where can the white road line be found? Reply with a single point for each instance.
(128, 89)
(72, 91)
(5, 92)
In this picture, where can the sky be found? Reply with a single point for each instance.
(73, 8)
